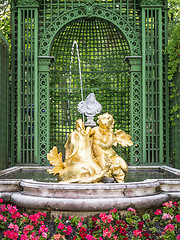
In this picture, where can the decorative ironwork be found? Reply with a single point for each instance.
(44, 112)
(152, 2)
(38, 28)
(4, 77)
(27, 3)
(98, 12)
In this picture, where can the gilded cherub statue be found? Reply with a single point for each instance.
(103, 138)
(89, 154)
(79, 165)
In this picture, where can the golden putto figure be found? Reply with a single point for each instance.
(89, 154)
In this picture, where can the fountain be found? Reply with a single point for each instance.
(85, 194)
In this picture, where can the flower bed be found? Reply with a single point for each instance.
(164, 224)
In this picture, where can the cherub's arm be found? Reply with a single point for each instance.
(123, 139)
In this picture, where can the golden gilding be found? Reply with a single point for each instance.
(89, 154)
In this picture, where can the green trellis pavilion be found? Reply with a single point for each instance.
(121, 45)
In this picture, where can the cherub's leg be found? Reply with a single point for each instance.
(119, 169)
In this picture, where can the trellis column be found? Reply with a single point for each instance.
(152, 82)
(135, 109)
(27, 81)
(44, 109)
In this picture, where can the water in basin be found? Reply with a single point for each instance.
(132, 176)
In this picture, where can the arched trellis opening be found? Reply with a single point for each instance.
(135, 73)
(105, 72)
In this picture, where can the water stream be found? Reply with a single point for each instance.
(75, 45)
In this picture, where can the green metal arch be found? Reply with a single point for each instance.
(90, 11)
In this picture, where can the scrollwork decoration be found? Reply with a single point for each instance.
(151, 2)
(27, 3)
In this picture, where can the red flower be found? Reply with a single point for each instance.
(113, 210)
(146, 234)
(177, 218)
(94, 219)
(158, 212)
(123, 231)
(82, 229)
(137, 233)
(60, 226)
(169, 227)
(1, 201)
(140, 225)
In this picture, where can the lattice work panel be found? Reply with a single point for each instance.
(43, 118)
(26, 88)
(4, 76)
(165, 88)
(152, 87)
(13, 90)
(49, 10)
(104, 72)
(136, 123)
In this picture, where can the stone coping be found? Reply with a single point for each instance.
(88, 197)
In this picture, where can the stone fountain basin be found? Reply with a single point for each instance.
(33, 194)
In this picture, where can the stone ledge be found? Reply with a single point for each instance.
(93, 205)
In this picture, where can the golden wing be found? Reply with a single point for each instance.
(123, 138)
(55, 159)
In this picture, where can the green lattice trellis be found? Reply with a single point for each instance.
(36, 30)
(104, 72)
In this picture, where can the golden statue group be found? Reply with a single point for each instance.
(89, 154)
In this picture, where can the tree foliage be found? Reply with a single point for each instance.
(173, 51)
(5, 19)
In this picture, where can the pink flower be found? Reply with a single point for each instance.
(1, 201)
(167, 216)
(25, 215)
(168, 204)
(113, 210)
(44, 235)
(111, 228)
(61, 226)
(106, 233)
(132, 210)
(70, 217)
(14, 227)
(137, 233)
(43, 228)
(178, 237)
(58, 237)
(79, 224)
(177, 218)
(60, 216)
(1, 217)
(3, 208)
(158, 212)
(169, 227)
(89, 237)
(24, 237)
(11, 234)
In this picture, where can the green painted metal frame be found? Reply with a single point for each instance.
(49, 18)
(4, 79)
